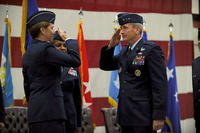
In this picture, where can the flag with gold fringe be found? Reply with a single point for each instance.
(84, 74)
(29, 7)
(172, 121)
(5, 70)
(114, 81)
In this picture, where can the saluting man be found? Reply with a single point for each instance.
(196, 91)
(42, 70)
(142, 74)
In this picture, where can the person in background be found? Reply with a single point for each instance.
(142, 76)
(70, 84)
(196, 91)
(41, 67)
(2, 111)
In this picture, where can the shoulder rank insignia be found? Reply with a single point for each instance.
(142, 49)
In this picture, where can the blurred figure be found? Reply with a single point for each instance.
(42, 70)
(196, 91)
(142, 76)
(70, 83)
(2, 111)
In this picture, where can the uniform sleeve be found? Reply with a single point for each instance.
(72, 44)
(107, 60)
(26, 84)
(159, 84)
(69, 59)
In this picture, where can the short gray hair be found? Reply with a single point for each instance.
(140, 27)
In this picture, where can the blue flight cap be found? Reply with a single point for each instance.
(40, 16)
(121, 14)
(124, 18)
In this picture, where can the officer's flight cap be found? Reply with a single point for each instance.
(40, 16)
(124, 18)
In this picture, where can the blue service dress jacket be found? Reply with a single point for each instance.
(41, 70)
(71, 87)
(143, 83)
(196, 90)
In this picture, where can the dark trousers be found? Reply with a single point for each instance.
(69, 128)
(137, 129)
(55, 126)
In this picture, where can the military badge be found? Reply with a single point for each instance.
(137, 73)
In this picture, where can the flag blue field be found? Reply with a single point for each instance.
(172, 122)
(145, 35)
(5, 73)
(114, 81)
(29, 7)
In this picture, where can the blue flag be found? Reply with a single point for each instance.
(172, 122)
(145, 35)
(29, 7)
(5, 73)
(114, 81)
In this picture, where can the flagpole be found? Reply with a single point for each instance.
(81, 14)
(144, 25)
(171, 26)
(80, 52)
(7, 11)
(170, 34)
(9, 33)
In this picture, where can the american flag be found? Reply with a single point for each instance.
(98, 29)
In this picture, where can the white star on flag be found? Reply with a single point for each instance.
(85, 104)
(87, 87)
(116, 82)
(170, 73)
(176, 96)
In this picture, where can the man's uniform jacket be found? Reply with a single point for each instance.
(196, 90)
(143, 82)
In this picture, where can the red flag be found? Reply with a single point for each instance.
(85, 85)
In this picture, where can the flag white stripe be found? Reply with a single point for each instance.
(99, 25)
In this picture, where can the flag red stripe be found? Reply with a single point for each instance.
(185, 100)
(183, 51)
(139, 6)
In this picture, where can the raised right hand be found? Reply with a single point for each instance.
(115, 39)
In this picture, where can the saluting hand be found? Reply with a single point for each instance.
(62, 34)
(115, 39)
(158, 124)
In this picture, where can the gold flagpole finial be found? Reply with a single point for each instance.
(80, 14)
(115, 21)
(170, 26)
(144, 25)
(7, 11)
